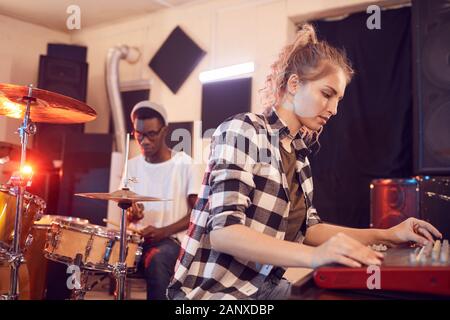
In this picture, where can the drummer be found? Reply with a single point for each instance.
(160, 172)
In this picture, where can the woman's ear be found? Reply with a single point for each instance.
(293, 84)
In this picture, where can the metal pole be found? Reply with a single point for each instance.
(16, 255)
(120, 271)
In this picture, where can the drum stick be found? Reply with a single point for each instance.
(132, 229)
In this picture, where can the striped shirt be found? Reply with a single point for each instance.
(244, 183)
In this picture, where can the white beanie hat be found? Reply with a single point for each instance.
(150, 105)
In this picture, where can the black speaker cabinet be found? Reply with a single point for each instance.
(67, 51)
(431, 52)
(435, 202)
(66, 77)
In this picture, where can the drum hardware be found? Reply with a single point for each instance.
(138, 255)
(5, 265)
(16, 102)
(88, 247)
(14, 260)
(84, 282)
(20, 183)
(53, 238)
(79, 290)
(124, 198)
(79, 294)
(120, 268)
(27, 207)
(28, 241)
(108, 250)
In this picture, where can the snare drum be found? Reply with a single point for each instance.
(98, 246)
(33, 207)
(35, 257)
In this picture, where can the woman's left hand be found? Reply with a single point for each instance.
(415, 230)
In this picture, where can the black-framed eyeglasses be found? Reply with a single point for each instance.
(149, 134)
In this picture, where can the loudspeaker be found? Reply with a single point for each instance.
(435, 202)
(66, 77)
(393, 201)
(431, 43)
(66, 51)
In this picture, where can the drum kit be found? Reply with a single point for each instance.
(26, 235)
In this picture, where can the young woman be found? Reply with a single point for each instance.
(255, 213)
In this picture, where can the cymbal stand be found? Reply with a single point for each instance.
(120, 268)
(20, 183)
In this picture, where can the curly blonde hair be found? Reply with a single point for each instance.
(308, 58)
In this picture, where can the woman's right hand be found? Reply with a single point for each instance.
(135, 212)
(344, 250)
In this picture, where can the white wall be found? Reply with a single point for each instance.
(21, 44)
(230, 31)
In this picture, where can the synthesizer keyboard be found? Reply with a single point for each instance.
(405, 269)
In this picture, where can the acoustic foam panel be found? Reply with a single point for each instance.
(129, 100)
(224, 99)
(176, 59)
(181, 138)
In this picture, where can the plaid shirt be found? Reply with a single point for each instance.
(244, 183)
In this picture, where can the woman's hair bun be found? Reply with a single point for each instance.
(306, 35)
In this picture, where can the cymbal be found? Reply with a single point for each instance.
(49, 107)
(120, 196)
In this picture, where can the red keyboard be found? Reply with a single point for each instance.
(416, 270)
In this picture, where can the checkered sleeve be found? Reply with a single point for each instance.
(312, 217)
(231, 177)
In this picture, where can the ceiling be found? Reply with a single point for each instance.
(52, 13)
